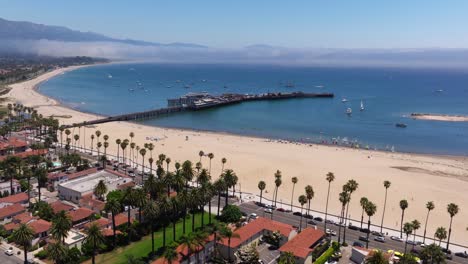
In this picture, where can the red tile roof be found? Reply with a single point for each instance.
(12, 142)
(11, 210)
(89, 202)
(122, 218)
(71, 176)
(182, 251)
(101, 222)
(40, 226)
(256, 226)
(15, 198)
(301, 244)
(58, 206)
(11, 226)
(80, 214)
(126, 185)
(23, 218)
(27, 154)
(109, 232)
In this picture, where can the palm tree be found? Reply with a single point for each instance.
(92, 143)
(363, 202)
(432, 254)
(57, 252)
(174, 210)
(143, 153)
(344, 198)
(113, 206)
(277, 184)
(210, 156)
(387, 185)
(302, 200)
(223, 161)
(441, 234)
(100, 190)
(309, 195)
(150, 161)
(23, 237)
(151, 215)
(118, 142)
(350, 187)
(76, 137)
(61, 224)
(230, 180)
(261, 187)
(407, 229)
(170, 253)
(403, 206)
(95, 238)
(370, 209)
(106, 145)
(330, 177)
(452, 209)
(165, 208)
(294, 181)
(416, 225)
(99, 145)
(429, 206)
(227, 233)
(190, 243)
(201, 154)
(377, 257)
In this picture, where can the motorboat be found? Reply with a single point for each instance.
(401, 125)
(349, 111)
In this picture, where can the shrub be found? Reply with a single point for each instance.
(230, 214)
(41, 254)
(324, 257)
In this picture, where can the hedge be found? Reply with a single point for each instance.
(324, 257)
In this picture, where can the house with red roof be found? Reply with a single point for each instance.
(12, 145)
(90, 202)
(58, 206)
(55, 178)
(303, 244)
(183, 257)
(5, 187)
(359, 255)
(19, 198)
(80, 216)
(252, 232)
(8, 212)
(41, 229)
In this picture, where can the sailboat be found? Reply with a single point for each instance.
(362, 106)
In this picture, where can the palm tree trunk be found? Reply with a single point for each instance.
(367, 240)
(152, 238)
(226, 198)
(300, 222)
(219, 203)
(261, 194)
(174, 229)
(209, 211)
(184, 216)
(308, 209)
(292, 197)
(425, 226)
(128, 223)
(339, 226)
(164, 235)
(449, 233)
(139, 214)
(401, 224)
(383, 213)
(25, 255)
(362, 217)
(345, 223)
(193, 220)
(326, 206)
(202, 216)
(113, 229)
(29, 192)
(229, 249)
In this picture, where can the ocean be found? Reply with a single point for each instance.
(389, 96)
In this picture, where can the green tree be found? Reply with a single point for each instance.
(58, 252)
(440, 234)
(229, 234)
(403, 207)
(330, 178)
(287, 258)
(432, 254)
(248, 254)
(302, 200)
(114, 207)
(309, 191)
(278, 183)
(170, 253)
(100, 190)
(429, 206)
(294, 180)
(231, 214)
(370, 209)
(61, 225)
(261, 187)
(95, 239)
(452, 209)
(416, 225)
(376, 257)
(23, 237)
(343, 198)
(387, 185)
(363, 202)
(350, 187)
(151, 215)
(407, 229)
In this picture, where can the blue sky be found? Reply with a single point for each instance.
(230, 24)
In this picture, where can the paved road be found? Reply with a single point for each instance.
(351, 235)
(5, 259)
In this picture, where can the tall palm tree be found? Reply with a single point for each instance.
(377, 257)
(223, 161)
(387, 185)
(219, 187)
(61, 225)
(170, 253)
(441, 234)
(150, 161)
(370, 209)
(132, 154)
(95, 238)
(230, 179)
(403, 206)
(302, 200)
(278, 183)
(168, 161)
(429, 206)
(100, 190)
(294, 181)
(57, 252)
(128, 200)
(350, 187)
(151, 216)
(330, 177)
(114, 207)
(261, 187)
(143, 153)
(229, 234)
(452, 209)
(190, 243)
(201, 154)
(139, 200)
(165, 208)
(363, 202)
(174, 214)
(210, 156)
(118, 142)
(92, 143)
(183, 201)
(76, 138)
(106, 145)
(309, 195)
(416, 225)
(344, 198)
(23, 237)
(408, 230)
(99, 145)
(187, 172)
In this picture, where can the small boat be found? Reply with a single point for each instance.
(187, 86)
(439, 91)
(344, 100)
(109, 76)
(349, 111)
(362, 106)
(131, 90)
(401, 125)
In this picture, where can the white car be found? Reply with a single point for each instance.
(379, 239)
(9, 252)
(330, 232)
(268, 210)
(253, 216)
(396, 238)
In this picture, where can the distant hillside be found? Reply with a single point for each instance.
(30, 31)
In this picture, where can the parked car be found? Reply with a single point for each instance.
(376, 233)
(268, 211)
(364, 230)
(358, 244)
(308, 216)
(297, 213)
(318, 219)
(353, 227)
(379, 239)
(328, 221)
(281, 210)
(363, 238)
(448, 256)
(330, 232)
(311, 222)
(395, 238)
(462, 254)
(253, 216)
(9, 252)
(411, 242)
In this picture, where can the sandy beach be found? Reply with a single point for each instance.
(438, 117)
(417, 178)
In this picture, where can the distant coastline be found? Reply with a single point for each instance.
(440, 117)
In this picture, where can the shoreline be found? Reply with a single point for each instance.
(442, 178)
(439, 117)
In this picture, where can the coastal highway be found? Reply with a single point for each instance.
(351, 235)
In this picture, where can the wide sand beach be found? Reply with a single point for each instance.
(417, 178)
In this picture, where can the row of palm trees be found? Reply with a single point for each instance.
(368, 207)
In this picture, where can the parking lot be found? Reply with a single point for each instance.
(267, 255)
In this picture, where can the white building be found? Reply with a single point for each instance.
(5, 186)
(74, 190)
(74, 239)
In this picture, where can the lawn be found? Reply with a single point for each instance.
(143, 247)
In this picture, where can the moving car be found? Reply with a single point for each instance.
(379, 239)
(253, 216)
(363, 238)
(462, 254)
(330, 232)
(358, 244)
(311, 222)
(297, 213)
(395, 238)
(318, 219)
(9, 252)
(268, 210)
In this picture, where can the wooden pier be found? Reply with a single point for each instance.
(200, 102)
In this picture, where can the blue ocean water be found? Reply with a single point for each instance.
(388, 94)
